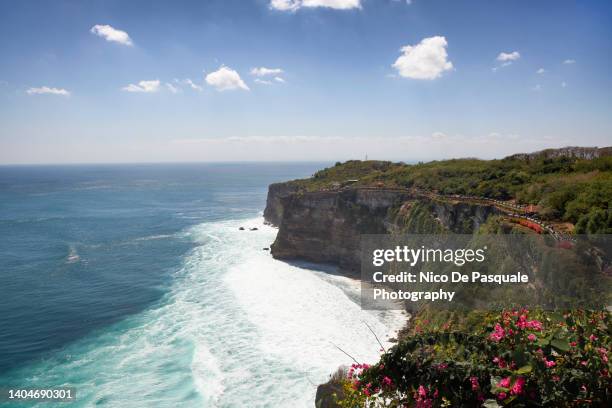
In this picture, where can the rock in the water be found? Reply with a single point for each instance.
(241, 228)
(254, 229)
(266, 249)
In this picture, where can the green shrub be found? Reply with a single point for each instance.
(515, 358)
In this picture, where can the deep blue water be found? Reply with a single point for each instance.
(134, 284)
(84, 246)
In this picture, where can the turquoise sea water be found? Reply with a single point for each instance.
(134, 284)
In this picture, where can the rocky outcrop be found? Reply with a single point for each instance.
(274, 209)
(461, 217)
(325, 226)
(586, 153)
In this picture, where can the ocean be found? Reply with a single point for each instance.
(135, 285)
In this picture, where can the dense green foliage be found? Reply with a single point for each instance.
(565, 189)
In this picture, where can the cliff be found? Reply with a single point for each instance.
(325, 226)
(273, 212)
(321, 219)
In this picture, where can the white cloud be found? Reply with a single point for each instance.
(540, 71)
(172, 88)
(226, 79)
(263, 71)
(293, 5)
(569, 61)
(508, 56)
(279, 79)
(46, 90)
(143, 86)
(111, 34)
(193, 85)
(426, 60)
(262, 81)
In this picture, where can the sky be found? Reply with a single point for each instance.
(309, 80)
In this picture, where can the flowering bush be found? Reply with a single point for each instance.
(515, 358)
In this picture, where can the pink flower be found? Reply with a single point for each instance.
(386, 381)
(550, 364)
(500, 362)
(532, 337)
(501, 395)
(592, 337)
(421, 398)
(573, 344)
(498, 333)
(504, 382)
(603, 353)
(521, 323)
(475, 385)
(517, 388)
(534, 324)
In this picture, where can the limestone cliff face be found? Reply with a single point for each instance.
(462, 218)
(274, 209)
(325, 226)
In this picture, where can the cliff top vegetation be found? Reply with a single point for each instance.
(571, 189)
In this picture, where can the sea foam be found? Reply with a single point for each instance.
(237, 328)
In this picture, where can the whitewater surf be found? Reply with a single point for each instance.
(237, 328)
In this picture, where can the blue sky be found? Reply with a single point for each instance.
(430, 79)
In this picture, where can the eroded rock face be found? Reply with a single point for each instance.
(325, 226)
(274, 210)
(462, 218)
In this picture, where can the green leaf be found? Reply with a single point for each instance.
(519, 356)
(491, 403)
(543, 342)
(560, 344)
(524, 369)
